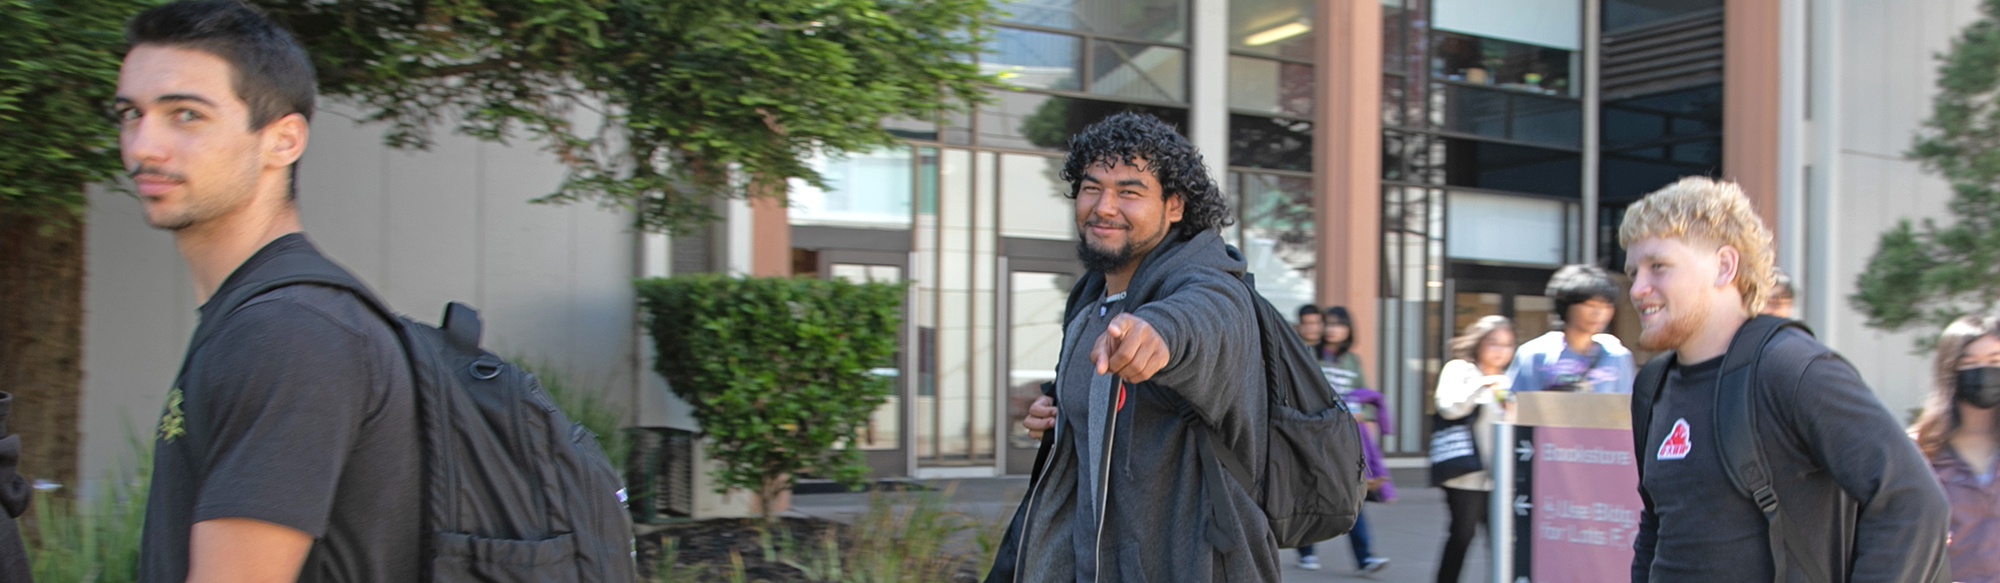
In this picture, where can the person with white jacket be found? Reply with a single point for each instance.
(1474, 384)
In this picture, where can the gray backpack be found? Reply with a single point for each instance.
(513, 490)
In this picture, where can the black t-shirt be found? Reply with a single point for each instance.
(299, 411)
(1704, 522)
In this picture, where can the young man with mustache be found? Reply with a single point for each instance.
(288, 447)
(1854, 498)
(1161, 340)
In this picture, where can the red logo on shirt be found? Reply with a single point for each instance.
(1676, 445)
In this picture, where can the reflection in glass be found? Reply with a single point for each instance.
(1137, 71)
(1268, 86)
(1034, 200)
(1031, 121)
(1035, 343)
(869, 190)
(1278, 28)
(1270, 142)
(884, 427)
(1153, 20)
(1035, 59)
(1276, 217)
(1505, 64)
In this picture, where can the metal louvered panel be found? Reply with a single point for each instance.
(1678, 53)
(659, 474)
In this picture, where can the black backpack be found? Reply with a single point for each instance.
(1313, 466)
(513, 490)
(1738, 445)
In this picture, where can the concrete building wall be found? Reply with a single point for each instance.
(552, 283)
(1871, 79)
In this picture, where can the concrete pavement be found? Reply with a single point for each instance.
(1410, 532)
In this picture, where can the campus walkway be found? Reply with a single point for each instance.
(1410, 532)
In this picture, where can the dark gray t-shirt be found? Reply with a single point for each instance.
(299, 411)
(1704, 522)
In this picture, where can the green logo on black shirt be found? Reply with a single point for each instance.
(172, 423)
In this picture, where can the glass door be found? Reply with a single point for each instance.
(882, 438)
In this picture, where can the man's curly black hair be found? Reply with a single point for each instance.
(1128, 137)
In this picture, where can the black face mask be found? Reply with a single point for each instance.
(1980, 387)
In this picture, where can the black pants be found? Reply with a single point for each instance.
(1468, 510)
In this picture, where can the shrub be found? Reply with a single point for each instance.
(777, 370)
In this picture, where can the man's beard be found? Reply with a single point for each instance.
(1680, 325)
(1102, 261)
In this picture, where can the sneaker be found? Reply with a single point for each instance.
(1309, 563)
(1373, 565)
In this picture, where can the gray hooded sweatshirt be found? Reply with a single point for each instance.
(1121, 497)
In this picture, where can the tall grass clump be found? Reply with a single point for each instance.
(587, 406)
(94, 540)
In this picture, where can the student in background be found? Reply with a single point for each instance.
(1472, 385)
(1310, 327)
(1959, 433)
(1343, 371)
(1577, 356)
(1780, 304)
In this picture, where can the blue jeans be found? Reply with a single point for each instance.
(1358, 537)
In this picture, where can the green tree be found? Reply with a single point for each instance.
(777, 370)
(1931, 274)
(661, 107)
(656, 106)
(58, 68)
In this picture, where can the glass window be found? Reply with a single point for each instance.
(1154, 20)
(1511, 116)
(1621, 14)
(1038, 60)
(1505, 228)
(1277, 28)
(870, 190)
(911, 128)
(1136, 71)
(1481, 164)
(1268, 86)
(1031, 121)
(1506, 64)
(1034, 199)
(1549, 23)
(1276, 218)
(1270, 142)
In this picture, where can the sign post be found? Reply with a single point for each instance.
(1565, 498)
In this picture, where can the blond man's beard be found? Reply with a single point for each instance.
(1679, 327)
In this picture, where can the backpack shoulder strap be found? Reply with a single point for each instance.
(1645, 392)
(1739, 444)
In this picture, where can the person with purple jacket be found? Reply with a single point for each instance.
(1959, 432)
(1343, 371)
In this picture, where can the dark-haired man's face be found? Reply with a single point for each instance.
(186, 139)
(1593, 315)
(1121, 215)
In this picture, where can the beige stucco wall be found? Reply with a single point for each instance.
(1870, 96)
(423, 228)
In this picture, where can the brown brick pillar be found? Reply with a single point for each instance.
(1347, 157)
(1750, 102)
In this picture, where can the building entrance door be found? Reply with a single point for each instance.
(1514, 292)
(883, 440)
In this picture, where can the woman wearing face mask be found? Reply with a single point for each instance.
(1959, 432)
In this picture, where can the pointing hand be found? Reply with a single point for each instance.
(1131, 349)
